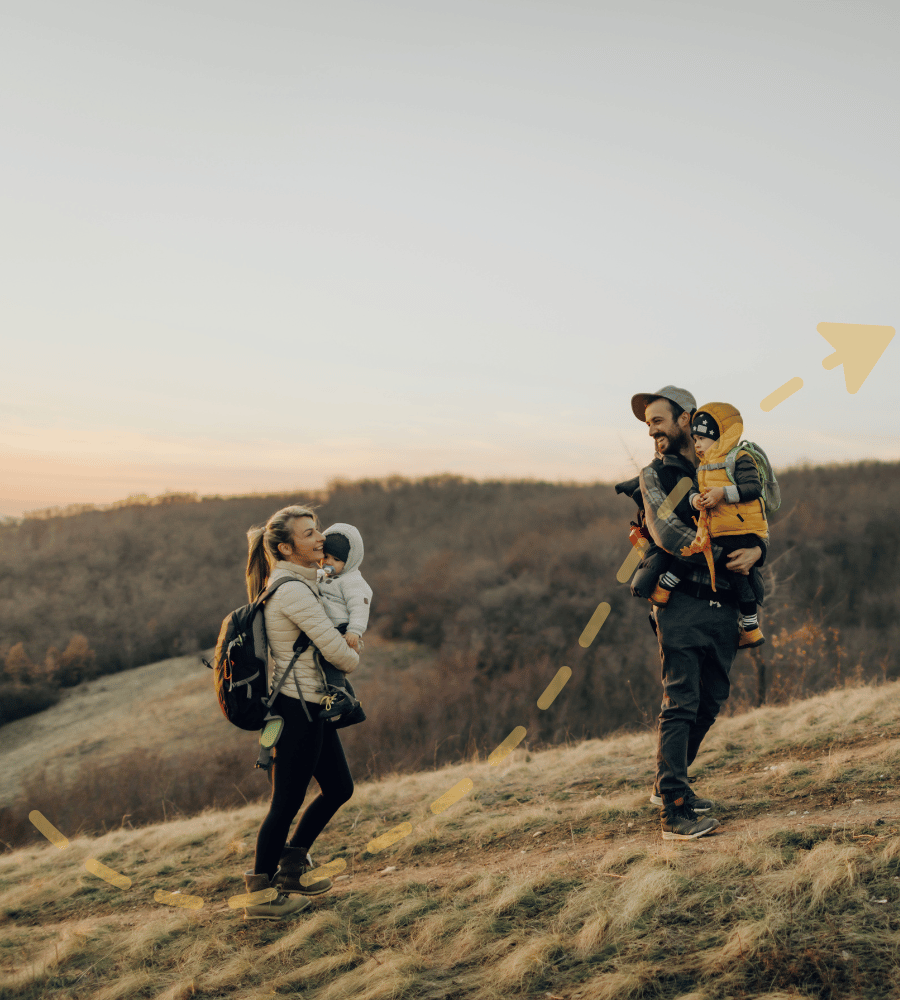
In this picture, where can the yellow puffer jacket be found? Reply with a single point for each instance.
(747, 518)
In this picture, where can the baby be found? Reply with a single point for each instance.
(736, 513)
(346, 595)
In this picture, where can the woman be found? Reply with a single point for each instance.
(290, 545)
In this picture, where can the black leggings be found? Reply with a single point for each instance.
(305, 750)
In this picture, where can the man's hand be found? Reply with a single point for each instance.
(743, 560)
(709, 498)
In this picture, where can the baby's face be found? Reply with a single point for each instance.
(702, 444)
(336, 564)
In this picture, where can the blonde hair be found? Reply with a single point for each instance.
(263, 542)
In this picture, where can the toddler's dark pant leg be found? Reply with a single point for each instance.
(739, 583)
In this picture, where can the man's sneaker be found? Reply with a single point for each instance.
(751, 638)
(274, 909)
(679, 822)
(693, 800)
(294, 864)
(660, 596)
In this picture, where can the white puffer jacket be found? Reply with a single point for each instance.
(290, 610)
(347, 597)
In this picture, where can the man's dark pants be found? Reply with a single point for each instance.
(698, 640)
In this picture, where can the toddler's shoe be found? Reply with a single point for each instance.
(660, 596)
(751, 638)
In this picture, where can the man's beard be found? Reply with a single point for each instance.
(674, 443)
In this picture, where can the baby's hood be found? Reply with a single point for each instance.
(355, 556)
(731, 428)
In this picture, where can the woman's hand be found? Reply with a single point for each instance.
(709, 498)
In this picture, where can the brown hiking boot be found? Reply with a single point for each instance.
(660, 596)
(752, 638)
(680, 822)
(274, 909)
(295, 863)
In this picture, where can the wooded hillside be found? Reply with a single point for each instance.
(498, 578)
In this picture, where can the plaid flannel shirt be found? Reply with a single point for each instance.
(672, 532)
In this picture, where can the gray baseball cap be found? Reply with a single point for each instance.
(681, 397)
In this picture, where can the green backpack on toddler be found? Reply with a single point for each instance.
(771, 495)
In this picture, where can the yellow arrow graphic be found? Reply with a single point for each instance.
(857, 347)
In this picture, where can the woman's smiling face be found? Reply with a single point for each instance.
(308, 540)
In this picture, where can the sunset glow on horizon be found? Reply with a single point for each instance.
(252, 254)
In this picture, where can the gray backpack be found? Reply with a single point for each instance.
(771, 495)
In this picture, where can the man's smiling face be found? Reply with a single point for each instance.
(671, 436)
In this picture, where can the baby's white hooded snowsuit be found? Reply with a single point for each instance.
(347, 597)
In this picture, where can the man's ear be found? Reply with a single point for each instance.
(687, 418)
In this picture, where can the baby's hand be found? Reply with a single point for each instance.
(352, 641)
(709, 498)
(696, 501)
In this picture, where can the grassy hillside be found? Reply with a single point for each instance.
(548, 880)
(151, 743)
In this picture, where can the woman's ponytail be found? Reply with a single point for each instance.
(263, 542)
(257, 563)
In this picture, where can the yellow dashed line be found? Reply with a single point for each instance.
(554, 687)
(43, 824)
(391, 837)
(594, 625)
(674, 498)
(252, 898)
(178, 899)
(107, 874)
(781, 393)
(636, 554)
(624, 575)
(326, 871)
(458, 791)
(501, 752)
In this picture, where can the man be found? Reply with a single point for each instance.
(697, 629)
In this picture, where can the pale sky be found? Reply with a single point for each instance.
(252, 246)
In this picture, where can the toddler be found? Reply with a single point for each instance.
(736, 512)
(346, 595)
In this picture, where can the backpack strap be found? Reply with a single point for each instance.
(301, 643)
(300, 646)
(267, 593)
(730, 462)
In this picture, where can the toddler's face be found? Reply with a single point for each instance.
(702, 444)
(336, 564)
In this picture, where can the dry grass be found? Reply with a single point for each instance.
(550, 879)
